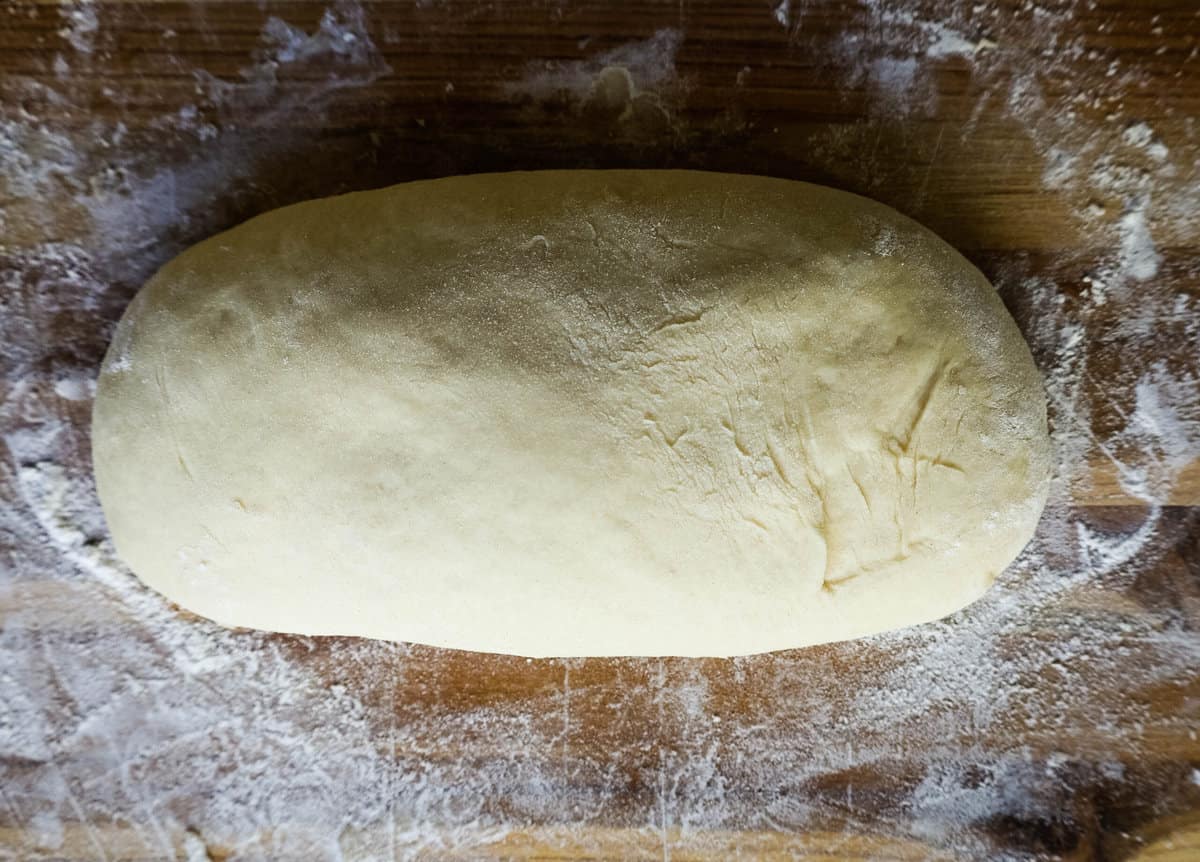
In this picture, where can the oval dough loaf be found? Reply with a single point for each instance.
(573, 413)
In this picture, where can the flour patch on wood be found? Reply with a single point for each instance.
(80, 25)
(649, 63)
(629, 90)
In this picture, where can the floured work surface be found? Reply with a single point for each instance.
(1056, 718)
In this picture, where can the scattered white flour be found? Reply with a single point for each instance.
(611, 81)
(896, 53)
(80, 25)
(1141, 136)
(1138, 259)
(783, 13)
(341, 36)
(938, 39)
(129, 728)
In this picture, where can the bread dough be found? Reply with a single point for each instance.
(573, 413)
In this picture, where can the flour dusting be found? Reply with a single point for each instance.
(629, 90)
(128, 727)
(80, 25)
(649, 63)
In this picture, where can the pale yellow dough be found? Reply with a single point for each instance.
(573, 413)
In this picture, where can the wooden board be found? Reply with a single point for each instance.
(1054, 143)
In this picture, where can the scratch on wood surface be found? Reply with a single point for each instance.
(566, 709)
(937, 148)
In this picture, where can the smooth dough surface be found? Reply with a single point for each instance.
(573, 413)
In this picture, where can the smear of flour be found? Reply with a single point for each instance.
(649, 63)
(117, 710)
(630, 90)
(80, 25)
(341, 37)
(895, 56)
(783, 13)
(1138, 258)
(936, 38)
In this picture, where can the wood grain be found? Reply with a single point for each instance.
(963, 140)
